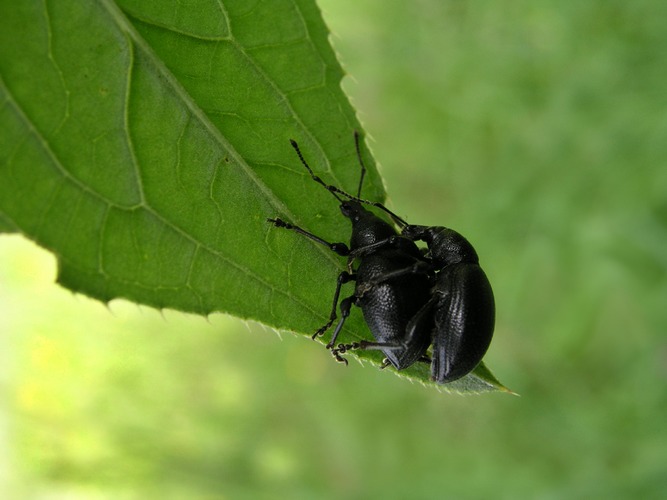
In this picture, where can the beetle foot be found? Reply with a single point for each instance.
(338, 357)
(336, 353)
(280, 223)
(342, 349)
(323, 329)
(385, 363)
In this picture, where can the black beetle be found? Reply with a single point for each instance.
(387, 305)
(409, 298)
(461, 304)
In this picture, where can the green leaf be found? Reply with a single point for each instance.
(145, 143)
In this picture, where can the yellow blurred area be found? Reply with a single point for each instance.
(74, 368)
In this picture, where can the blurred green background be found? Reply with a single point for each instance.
(536, 128)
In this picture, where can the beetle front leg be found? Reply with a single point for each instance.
(339, 248)
(418, 267)
(373, 247)
(343, 278)
(345, 306)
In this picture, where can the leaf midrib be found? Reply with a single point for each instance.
(135, 38)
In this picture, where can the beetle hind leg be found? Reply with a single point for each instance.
(363, 345)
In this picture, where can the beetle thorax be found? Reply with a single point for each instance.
(449, 247)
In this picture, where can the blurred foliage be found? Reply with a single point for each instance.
(534, 128)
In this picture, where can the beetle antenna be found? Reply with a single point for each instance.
(358, 198)
(332, 189)
(398, 220)
(335, 191)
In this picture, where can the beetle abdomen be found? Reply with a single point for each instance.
(464, 321)
(388, 307)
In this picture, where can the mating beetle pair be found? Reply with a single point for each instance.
(410, 298)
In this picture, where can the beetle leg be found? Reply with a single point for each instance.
(364, 345)
(345, 306)
(421, 321)
(343, 278)
(369, 249)
(339, 248)
(418, 267)
(373, 247)
(342, 349)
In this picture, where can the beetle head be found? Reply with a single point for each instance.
(367, 228)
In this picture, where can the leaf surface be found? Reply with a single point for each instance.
(145, 143)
